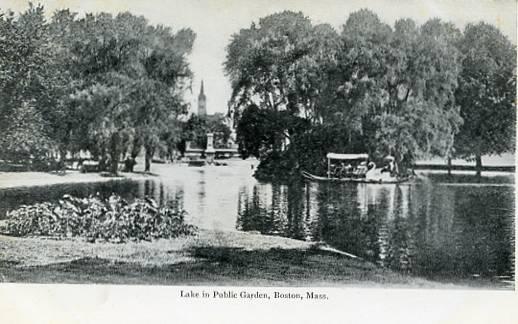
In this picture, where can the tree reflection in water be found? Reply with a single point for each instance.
(432, 229)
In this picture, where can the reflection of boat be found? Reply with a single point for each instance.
(357, 170)
(196, 163)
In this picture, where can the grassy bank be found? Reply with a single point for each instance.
(222, 258)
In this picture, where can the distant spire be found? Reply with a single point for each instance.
(202, 102)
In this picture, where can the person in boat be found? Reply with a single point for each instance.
(337, 170)
(361, 170)
(390, 166)
(343, 170)
(348, 170)
(341, 174)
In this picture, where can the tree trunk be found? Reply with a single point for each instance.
(449, 166)
(62, 154)
(129, 164)
(114, 166)
(149, 156)
(478, 165)
(135, 150)
(114, 152)
(102, 160)
(62, 157)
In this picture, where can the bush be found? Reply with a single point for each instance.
(277, 166)
(112, 219)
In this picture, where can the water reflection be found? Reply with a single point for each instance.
(438, 228)
(427, 228)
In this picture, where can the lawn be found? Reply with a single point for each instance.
(211, 257)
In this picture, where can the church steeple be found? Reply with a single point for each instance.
(202, 102)
(201, 89)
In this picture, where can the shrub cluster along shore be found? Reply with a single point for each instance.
(113, 219)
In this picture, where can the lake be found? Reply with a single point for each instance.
(446, 229)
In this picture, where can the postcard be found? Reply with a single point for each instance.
(258, 161)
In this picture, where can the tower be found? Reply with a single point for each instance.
(202, 102)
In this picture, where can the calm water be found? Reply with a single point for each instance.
(434, 228)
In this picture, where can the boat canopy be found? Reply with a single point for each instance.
(338, 156)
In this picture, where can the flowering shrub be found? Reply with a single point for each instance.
(112, 220)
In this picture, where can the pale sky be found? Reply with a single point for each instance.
(214, 21)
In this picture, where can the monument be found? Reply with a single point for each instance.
(210, 152)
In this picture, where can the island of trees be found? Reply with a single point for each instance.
(413, 91)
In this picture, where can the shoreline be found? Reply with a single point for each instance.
(222, 257)
(11, 180)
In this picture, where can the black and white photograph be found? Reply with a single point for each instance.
(360, 144)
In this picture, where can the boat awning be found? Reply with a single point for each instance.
(338, 156)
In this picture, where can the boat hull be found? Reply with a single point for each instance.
(313, 177)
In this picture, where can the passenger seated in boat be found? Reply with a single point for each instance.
(337, 171)
(390, 166)
(361, 170)
(343, 171)
(348, 169)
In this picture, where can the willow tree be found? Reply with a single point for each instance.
(387, 90)
(165, 76)
(398, 85)
(280, 65)
(129, 77)
(486, 94)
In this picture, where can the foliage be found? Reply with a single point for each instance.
(142, 68)
(24, 139)
(486, 93)
(280, 66)
(258, 130)
(112, 220)
(102, 83)
(114, 85)
(279, 71)
(28, 77)
(399, 85)
(195, 130)
(22, 57)
(217, 124)
(253, 133)
(374, 88)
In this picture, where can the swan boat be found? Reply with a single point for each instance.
(357, 170)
